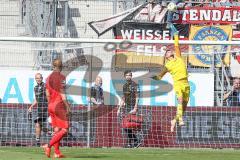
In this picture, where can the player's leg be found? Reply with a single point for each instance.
(180, 109)
(173, 124)
(57, 137)
(183, 101)
(37, 130)
(186, 95)
(56, 145)
(38, 126)
(59, 119)
(179, 114)
(133, 138)
(136, 141)
(46, 147)
(63, 125)
(178, 91)
(57, 153)
(129, 138)
(55, 140)
(45, 129)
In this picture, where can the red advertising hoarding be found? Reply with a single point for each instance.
(208, 15)
(211, 127)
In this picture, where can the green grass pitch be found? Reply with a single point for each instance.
(74, 153)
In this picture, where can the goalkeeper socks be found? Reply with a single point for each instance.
(56, 145)
(57, 137)
(179, 112)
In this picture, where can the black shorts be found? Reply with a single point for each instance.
(41, 117)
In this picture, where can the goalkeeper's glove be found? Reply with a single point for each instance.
(174, 31)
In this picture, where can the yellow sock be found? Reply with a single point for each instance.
(179, 112)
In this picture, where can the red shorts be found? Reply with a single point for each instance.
(58, 114)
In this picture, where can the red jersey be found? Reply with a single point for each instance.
(55, 83)
(56, 108)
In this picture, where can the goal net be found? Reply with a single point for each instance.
(211, 120)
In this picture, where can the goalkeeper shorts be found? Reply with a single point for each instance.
(182, 90)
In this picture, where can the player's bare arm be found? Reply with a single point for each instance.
(226, 95)
(121, 105)
(47, 95)
(161, 74)
(135, 109)
(65, 101)
(34, 104)
(122, 102)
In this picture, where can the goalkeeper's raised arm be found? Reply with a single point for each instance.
(176, 45)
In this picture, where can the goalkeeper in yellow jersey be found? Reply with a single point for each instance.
(175, 65)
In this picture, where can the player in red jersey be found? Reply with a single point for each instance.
(58, 108)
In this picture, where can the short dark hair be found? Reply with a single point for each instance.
(57, 63)
(127, 71)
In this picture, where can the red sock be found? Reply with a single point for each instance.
(56, 147)
(57, 137)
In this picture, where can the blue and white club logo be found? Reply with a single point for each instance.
(205, 51)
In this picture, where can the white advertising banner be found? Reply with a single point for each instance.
(17, 86)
